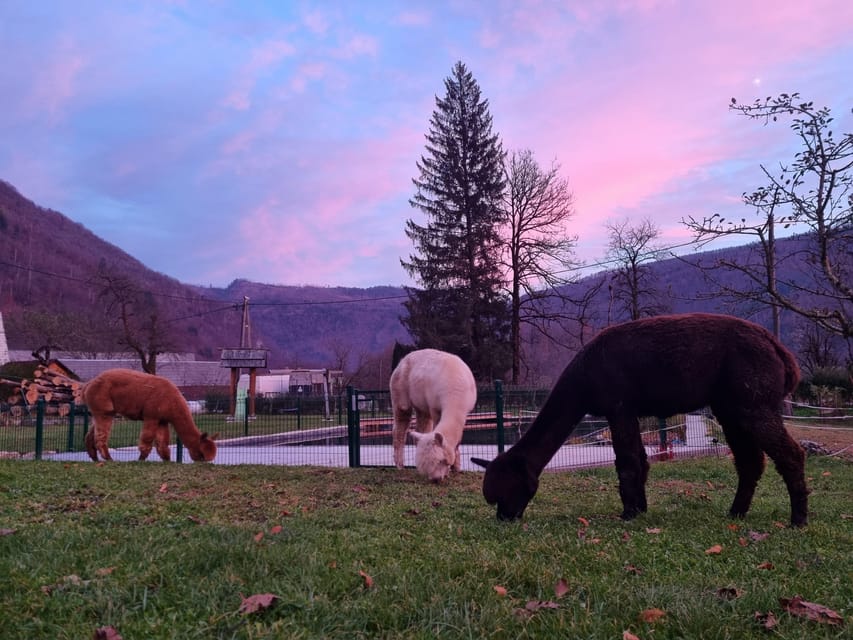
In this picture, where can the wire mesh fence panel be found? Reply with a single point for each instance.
(318, 431)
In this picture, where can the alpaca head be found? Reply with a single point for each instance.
(509, 484)
(206, 450)
(433, 457)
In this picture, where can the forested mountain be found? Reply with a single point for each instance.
(49, 265)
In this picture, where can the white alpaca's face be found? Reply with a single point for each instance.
(432, 459)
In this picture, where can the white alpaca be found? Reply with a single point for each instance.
(440, 389)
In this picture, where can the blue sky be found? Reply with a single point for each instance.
(277, 141)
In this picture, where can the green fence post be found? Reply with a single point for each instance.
(39, 428)
(353, 428)
(662, 437)
(299, 411)
(246, 417)
(70, 443)
(499, 414)
(179, 450)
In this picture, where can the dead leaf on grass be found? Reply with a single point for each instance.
(766, 566)
(627, 635)
(106, 633)
(758, 536)
(195, 519)
(257, 602)
(729, 593)
(766, 620)
(259, 536)
(584, 522)
(164, 487)
(105, 571)
(535, 605)
(653, 530)
(651, 616)
(796, 606)
(561, 588)
(7, 532)
(715, 550)
(633, 570)
(368, 581)
(275, 530)
(501, 591)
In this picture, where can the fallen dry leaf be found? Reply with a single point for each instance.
(259, 536)
(653, 530)
(796, 606)
(7, 532)
(106, 633)
(766, 620)
(765, 565)
(535, 605)
(733, 527)
(368, 581)
(164, 487)
(584, 521)
(826, 473)
(742, 541)
(729, 593)
(716, 549)
(632, 569)
(627, 635)
(650, 616)
(105, 571)
(626, 536)
(276, 529)
(757, 536)
(561, 588)
(257, 602)
(501, 591)
(195, 519)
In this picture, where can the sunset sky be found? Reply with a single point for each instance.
(277, 141)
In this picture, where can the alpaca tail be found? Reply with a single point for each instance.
(792, 369)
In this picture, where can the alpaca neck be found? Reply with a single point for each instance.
(559, 416)
(187, 431)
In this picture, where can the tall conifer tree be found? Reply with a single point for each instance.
(459, 307)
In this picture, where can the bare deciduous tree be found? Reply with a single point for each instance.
(632, 286)
(814, 193)
(136, 315)
(537, 251)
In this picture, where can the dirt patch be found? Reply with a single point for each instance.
(836, 441)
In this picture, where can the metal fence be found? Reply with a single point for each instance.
(355, 430)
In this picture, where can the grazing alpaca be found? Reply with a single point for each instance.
(659, 367)
(142, 396)
(440, 389)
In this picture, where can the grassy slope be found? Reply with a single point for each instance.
(166, 551)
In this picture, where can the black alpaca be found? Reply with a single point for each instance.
(659, 367)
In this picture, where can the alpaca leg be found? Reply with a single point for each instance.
(146, 438)
(102, 425)
(632, 465)
(89, 441)
(457, 465)
(789, 459)
(402, 418)
(162, 440)
(749, 464)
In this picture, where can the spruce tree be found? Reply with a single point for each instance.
(459, 306)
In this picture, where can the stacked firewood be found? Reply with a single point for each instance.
(54, 388)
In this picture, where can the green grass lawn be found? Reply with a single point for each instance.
(170, 551)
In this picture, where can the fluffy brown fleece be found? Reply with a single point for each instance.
(152, 399)
(659, 367)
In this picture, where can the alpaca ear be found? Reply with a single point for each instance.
(480, 462)
(439, 439)
(204, 436)
(416, 436)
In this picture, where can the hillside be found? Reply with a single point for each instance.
(47, 263)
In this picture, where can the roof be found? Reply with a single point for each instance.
(181, 369)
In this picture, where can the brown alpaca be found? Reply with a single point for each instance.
(152, 399)
(659, 367)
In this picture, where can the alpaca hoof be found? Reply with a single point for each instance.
(630, 514)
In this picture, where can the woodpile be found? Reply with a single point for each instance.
(57, 390)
